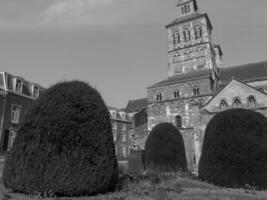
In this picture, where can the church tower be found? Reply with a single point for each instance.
(190, 47)
(193, 63)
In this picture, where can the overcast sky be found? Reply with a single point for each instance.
(119, 46)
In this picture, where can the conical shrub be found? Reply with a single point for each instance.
(234, 150)
(164, 149)
(64, 145)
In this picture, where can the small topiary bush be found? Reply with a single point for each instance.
(64, 145)
(234, 152)
(164, 149)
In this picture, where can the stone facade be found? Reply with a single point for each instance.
(193, 75)
(198, 86)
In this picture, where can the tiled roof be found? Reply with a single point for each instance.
(189, 17)
(247, 73)
(136, 105)
(184, 77)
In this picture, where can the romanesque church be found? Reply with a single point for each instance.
(198, 85)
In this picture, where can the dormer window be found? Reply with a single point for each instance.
(18, 87)
(187, 35)
(198, 32)
(35, 92)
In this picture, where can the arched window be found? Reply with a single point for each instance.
(198, 32)
(182, 10)
(237, 103)
(223, 105)
(196, 91)
(185, 9)
(188, 8)
(176, 94)
(178, 121)
(159, 97)
(251, 102)
(187, 35)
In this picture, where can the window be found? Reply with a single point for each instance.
(176, 94)
(185, 9)
(251, 102)
(123, 137)
(124, 151)
(159, 97)
(196, 91)
(114, 132)
(15, 113)
(187, 35)
(35, 92)
(18, 86)
(198, 32)
(178, 121)
(236, 103)
(223, 105)
(114, 126)
(176, 38)
(124, 127)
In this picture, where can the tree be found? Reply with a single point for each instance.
(64, 145)
(234, 149)
(165, 149)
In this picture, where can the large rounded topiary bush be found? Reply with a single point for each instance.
(64, 145)
(164, 149)
(234, 152)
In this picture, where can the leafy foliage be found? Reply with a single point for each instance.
(64, 145)
(164, 149)
(234, 150)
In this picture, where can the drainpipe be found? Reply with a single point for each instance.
(3, 119)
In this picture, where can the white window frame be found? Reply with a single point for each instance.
(33, 91)
(124, 151)
(15, 115)
(21, 85)
(123, 137)
(124, 127)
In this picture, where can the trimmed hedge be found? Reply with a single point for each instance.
(234, 152)
(164, 149)
(64, 146)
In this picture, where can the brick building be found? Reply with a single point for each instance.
(121, 124)
(198, 86)
(16, 97)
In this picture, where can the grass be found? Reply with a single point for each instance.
(157, 186)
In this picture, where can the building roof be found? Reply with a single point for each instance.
(188, 18)
(136, 105)
(8, 83)
(184, 77)
(247, 73)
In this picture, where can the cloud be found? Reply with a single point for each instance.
(79, 12)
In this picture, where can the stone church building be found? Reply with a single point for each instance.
(198, 86)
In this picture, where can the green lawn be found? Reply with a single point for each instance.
(174, 187)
